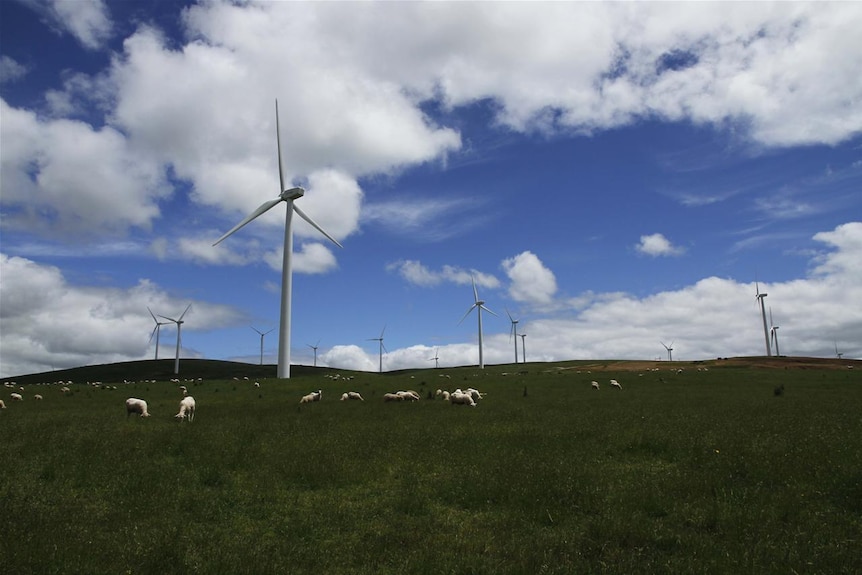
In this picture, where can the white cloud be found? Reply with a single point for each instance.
(657, 245)
(10, 70)
(417, 273)
(531, 281)
(87, 20)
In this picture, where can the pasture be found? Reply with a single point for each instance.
(738, 469)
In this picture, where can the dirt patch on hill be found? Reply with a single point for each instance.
(743, 362)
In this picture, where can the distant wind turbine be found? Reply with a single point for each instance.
(287, 196)
(514, 333)
(435, 359)
(760, 297)
(314, 347)
(179, 322)
(261, 341)
(838, 354)
(382, 347)
(156, 330)
(523, 346)
(773, 333)
(478, 305)
(669, 349)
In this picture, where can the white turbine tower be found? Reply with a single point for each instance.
(435, 359)
(523, 346)
(760, 297)
(514, 333)
(669, 349)
(262, 333)
(156, 330)
(382, 347)
(478, 305)
(773, 334)
(179, 322)
(838, 354)
(287, 196)
(314, 347)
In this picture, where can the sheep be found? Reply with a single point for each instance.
(37, 397)
(351, 395)
(139, 406)
(408, 395)
(594, 384)
(187, 409)
(461, 398)
(65, 390)
(392, 397)
(16, 397)
(445, 395)
(615, 383)
(313, 396)
(474, 393)
(2, 404)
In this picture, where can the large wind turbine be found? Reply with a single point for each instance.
(314, 347)
(382, 347)
(435, 359)
(287, 196)
(478, 305)
(523, 346)
(179, 322)
(156, 330)
(669, 349)
(773, 333)
(838, 354)
(760, 297)
(514, 333)
(262, 333)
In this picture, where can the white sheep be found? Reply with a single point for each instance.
(615, 383)
(461, 398)
(65, 390)
(594, 384)
(139, 406)
(351, 395)
(392, 397)
(409, 395)
(445, 396)
(313, 396)
(37, 397)
(474, 393)
(16, 397)
(187, 409)
(2, 404)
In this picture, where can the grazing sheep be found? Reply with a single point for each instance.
(408, 395)
(352, 395)
(445, 395)
(461, 398)
(594, 384)
(16, 397)
(615, 383)
(257, 384)
(187, 409)
(37, 397)
(2, 404)
(474, 393)
(139, 406)
(65, 390)
(392, 397)
(313, 396)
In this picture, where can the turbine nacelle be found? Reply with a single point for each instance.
(292, 194)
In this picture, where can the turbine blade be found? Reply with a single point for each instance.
(278, 140)
(185, 312)
(487, 310)
(475, 292)
(263, 208)
(317, 227)
(169, 318)
(151, 313)
(468, 313)
(154, 333)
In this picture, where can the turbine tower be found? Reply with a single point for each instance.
(314, 347)
(523, 346)
(478, 305)
(838, 354)
(382, 347)
(156, 330)
(261, 341)
(435, 359)
(669, 349)
(514, 332)
(773, 334)
(287, 196)
(760, 297)
(179, 322)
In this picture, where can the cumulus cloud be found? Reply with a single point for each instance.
(10, 70)
(532, 282)
(87, 20)
(657, 245)
(418, 274)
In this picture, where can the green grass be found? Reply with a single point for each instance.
(703, 472)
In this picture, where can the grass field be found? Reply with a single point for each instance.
(738, 469)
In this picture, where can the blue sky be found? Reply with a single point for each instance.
(612, 175)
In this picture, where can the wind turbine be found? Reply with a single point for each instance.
(314, 347)
(773, 333)
(669, 349)
(435, 359)
(156, 330)
(478, 305)
(514, 332)
(760, 297)
(382, 347)
(179, 322)
(287, 196)
(523, 346)
(838, 354)
(261, 341)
